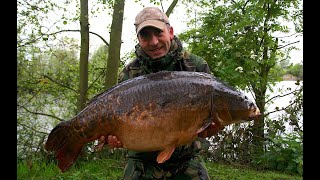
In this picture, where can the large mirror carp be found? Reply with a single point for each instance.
(155, 112)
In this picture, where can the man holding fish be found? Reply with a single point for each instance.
(166, 102)
(159, 49)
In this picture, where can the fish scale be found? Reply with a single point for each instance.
(155, 112)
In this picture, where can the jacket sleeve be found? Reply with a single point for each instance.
(200, 64)
(132, 70)
(124, 75)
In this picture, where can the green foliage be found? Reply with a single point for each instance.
(284, 153)
(292, 114)
(232, 145)
(279, 70)
(32, 19)
(296, 70)
(45, 80)
(48, 90)
(237, 40)
(232, 37)
(111, 169)
(93, 170)
(226, 172)
(97, 71)
(229, 36)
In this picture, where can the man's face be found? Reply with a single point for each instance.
(154, 42)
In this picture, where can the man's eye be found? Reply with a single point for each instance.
(158, 33)
(147, 34)
(144, 35)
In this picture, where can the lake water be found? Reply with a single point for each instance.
(281, 88)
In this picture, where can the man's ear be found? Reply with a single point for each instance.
(171, 33)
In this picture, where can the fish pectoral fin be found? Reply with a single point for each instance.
(223, 115)
(207, 123)
(165, 154)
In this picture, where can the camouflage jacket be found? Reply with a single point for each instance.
(176, 60)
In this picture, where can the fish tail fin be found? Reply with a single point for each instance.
(65, 144)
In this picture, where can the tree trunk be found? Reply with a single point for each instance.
(258, 127)
(171, 7)
(84, 55)
(115, 44)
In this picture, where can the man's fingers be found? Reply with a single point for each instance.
(113, 142)
(101, 143)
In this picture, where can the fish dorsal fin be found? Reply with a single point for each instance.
(165, 154)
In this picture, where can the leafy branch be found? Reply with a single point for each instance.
(33, 129)
(67, 30)
(38, 113)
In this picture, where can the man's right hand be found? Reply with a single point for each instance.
(114, 142)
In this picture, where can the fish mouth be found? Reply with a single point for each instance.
(255, 113)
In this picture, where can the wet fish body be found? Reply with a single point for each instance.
(155, 112)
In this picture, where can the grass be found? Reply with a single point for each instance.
(111, 169)
(108, 169)
(228, 172)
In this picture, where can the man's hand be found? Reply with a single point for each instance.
(211, 130)
(112, 142)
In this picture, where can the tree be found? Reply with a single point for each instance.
(115, 44)
(84, 55)
(48, 69)
(46, 94)
(171, 7)
(296, 70)
(237, 39)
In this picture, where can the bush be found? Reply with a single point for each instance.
(285, 153)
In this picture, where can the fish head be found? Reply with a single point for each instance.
(242, 109)
(235, 107)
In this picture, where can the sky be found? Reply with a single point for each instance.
(178, 19)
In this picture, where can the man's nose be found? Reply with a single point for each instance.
(153, 40)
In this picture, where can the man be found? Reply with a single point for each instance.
(159, 49)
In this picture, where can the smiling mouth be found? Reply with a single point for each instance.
(157, 49)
